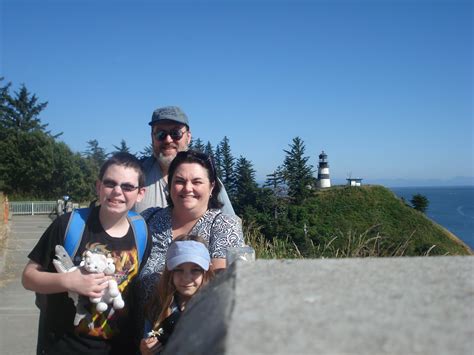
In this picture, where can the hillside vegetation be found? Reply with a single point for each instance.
(345, 221)
(286, 217)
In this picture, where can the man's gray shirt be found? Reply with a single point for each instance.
(157, 189)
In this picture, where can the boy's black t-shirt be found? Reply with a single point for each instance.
(110, 333)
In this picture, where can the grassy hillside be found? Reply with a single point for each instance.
(343, 209)
(360, 221)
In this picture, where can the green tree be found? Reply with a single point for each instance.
(95, 153)
(4, 99)
(198, 145)
(275, 180)
(86, 185)
(27, 163)
(122, 148)
(21, 112)
(209, 150)
(71, 175)
(297, 172)
(420, 202)
(227, 166)
(146, 152)
(245, 186)
(95, 156)
(218, 161)
(26, 148)
(34, 164)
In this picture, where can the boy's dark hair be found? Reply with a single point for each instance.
(127, 160)
(206, 161)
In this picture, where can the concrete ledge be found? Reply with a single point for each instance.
(334, 306)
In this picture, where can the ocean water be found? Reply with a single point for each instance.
(451, 207)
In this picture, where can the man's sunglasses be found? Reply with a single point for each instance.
(175, 134)
(110, 184)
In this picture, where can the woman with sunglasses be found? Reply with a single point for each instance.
(193, 208)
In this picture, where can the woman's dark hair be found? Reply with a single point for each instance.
(206, 161)
(127, 160)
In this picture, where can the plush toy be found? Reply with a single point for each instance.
(94, 263)
(63, 263)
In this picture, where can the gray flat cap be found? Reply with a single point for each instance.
(169, 113)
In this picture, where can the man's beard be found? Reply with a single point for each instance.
(165, 161)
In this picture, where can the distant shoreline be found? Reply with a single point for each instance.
(430, 186)
(453, 237)
(444, 201)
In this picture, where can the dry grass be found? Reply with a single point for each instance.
(350, 245)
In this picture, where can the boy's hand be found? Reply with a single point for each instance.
(83, 283)
(150, 346)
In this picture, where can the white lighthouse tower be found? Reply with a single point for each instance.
(323, 171)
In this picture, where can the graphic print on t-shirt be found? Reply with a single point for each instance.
(104, 325)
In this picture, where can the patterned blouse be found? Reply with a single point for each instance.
(220, 230)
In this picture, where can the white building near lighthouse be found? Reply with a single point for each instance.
(323, 171)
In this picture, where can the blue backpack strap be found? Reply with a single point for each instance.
(140, 231)
(74, 230)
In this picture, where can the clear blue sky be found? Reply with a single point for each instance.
(384, 87)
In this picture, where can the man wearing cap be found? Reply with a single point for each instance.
(170, 134)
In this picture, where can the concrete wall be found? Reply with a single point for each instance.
(334, 306)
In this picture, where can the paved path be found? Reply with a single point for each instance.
(18, 313)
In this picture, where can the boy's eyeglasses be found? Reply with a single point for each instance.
(175, 134)
(110, 184)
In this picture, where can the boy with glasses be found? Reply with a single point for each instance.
(109, 230)
(170, 134)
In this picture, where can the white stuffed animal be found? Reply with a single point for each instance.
(96, 263)
(63, 263)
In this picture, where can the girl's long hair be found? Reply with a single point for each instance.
(159, 306)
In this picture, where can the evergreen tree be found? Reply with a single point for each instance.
(21, 112)
(95, 153)
(227, 166)
(218, 161)
(69, 176)
(95, 157)
(297, 172)
(4, 98)
(208, 150)
(27, 163)
(122, 148)
(275, 180)
(198, 145)
(26, 149)
(420, 202)
(146, 152)
(245, 186)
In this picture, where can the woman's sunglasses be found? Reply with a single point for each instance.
(206, 159)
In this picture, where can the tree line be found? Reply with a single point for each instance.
(35, 164)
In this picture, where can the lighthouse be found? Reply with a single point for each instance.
(323, 171)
